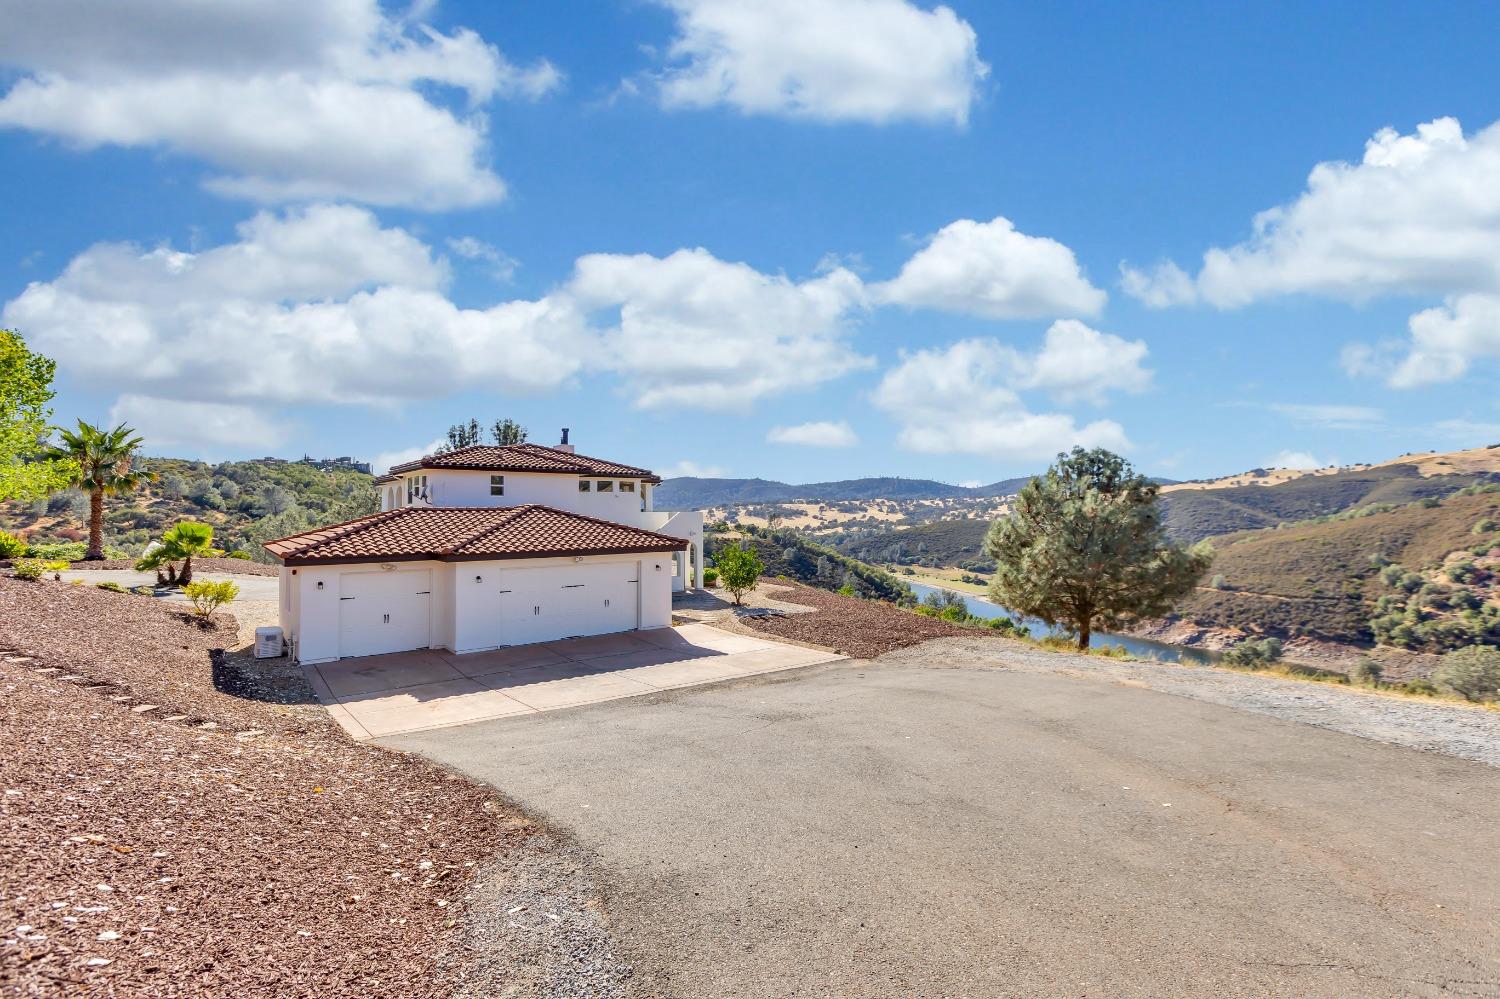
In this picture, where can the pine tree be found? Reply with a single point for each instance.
(1084, 546)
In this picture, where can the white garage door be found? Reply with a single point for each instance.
(545, 604)
(383, 612)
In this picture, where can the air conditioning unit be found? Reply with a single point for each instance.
(269, 643)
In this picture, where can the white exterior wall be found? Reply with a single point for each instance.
(560, 490)
(310, 616)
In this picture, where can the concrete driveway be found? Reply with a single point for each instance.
(871, 829)
(411, 691)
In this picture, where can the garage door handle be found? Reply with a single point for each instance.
(423, 593)
(505, 591)
(346, 598)
(574, 586)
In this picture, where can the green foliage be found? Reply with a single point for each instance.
(847, 590)
(1253, 653)
(101, 460)
(1484, 526)
(1219, 582)
(238, 554)
(1367, 671)
(11, 546)
(1425, 688)
(209, 595)
(1084, 546)
(502, 431)
(739, 569)
(1462, 572)
(789, 553)
(27, 469)
(182, 543)
(112, 587)
(1472, 672)
(71, 551)
(710, 576)
(28, 569)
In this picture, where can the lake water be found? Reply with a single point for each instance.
(1143, 647)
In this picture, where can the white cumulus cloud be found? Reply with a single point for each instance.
(1301, 461)
(291, 100)
(1419, 214)
(965, 398)
(210, 428)
(690, 329)
(992, 270)
(826, 60)
(819, 433)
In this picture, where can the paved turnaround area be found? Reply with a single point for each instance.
(889, 829)
(372, 696)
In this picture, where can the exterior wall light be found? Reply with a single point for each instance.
(320, 584)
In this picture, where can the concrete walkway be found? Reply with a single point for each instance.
(376, 696)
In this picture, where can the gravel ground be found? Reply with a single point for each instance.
(1469, 733)
(162, 837)
(862, 629)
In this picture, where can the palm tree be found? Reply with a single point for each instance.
(103, 458)
(180, 544)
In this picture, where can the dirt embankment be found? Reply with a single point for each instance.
(162, 837)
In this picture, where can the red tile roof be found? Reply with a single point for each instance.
(456, 534)
(524, 458)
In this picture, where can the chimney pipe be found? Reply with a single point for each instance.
(565, 446)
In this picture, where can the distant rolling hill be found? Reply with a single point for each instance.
(698, 493)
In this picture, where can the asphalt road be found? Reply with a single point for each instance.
(867, 829)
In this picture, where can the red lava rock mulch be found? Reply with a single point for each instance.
(144, 857)
(243, 567)
(863, 629)
(155, 650)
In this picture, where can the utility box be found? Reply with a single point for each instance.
(269, 644)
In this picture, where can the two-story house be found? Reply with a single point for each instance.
(484, 547)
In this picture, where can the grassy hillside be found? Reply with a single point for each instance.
(940, 543)
(246, 502)
(1324, 579)
(787, 553)
(1201, 513)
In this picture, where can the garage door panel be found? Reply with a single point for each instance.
(382, 612)
(548, 603)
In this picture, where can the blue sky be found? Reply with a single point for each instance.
(798, 240)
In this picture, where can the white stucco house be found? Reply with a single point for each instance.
(489, 546)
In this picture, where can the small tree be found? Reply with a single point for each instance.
(739, 569)
(1084, 545)
(1473, 671)
(208, 595)
(101, 461)
(1253, 653)
(27, 469)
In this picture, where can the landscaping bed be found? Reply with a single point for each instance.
(850, 626)
(213, 845)
(244, 567)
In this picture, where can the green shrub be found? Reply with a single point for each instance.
(1366, 671)
(208, 595)
(710, 577)
(111, 587)
(1484, 526)
(11, 546)
(1462, 572)
(28, 568)
(70, 551)
(246, 557)
(1219, 582)
(1253, 653)
(1425, 688)
(1472, 672)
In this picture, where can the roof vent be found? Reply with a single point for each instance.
(564, 445)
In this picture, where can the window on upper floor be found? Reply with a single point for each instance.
(604, 486)
(583, 485)
(627, 487)
(497, 485)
